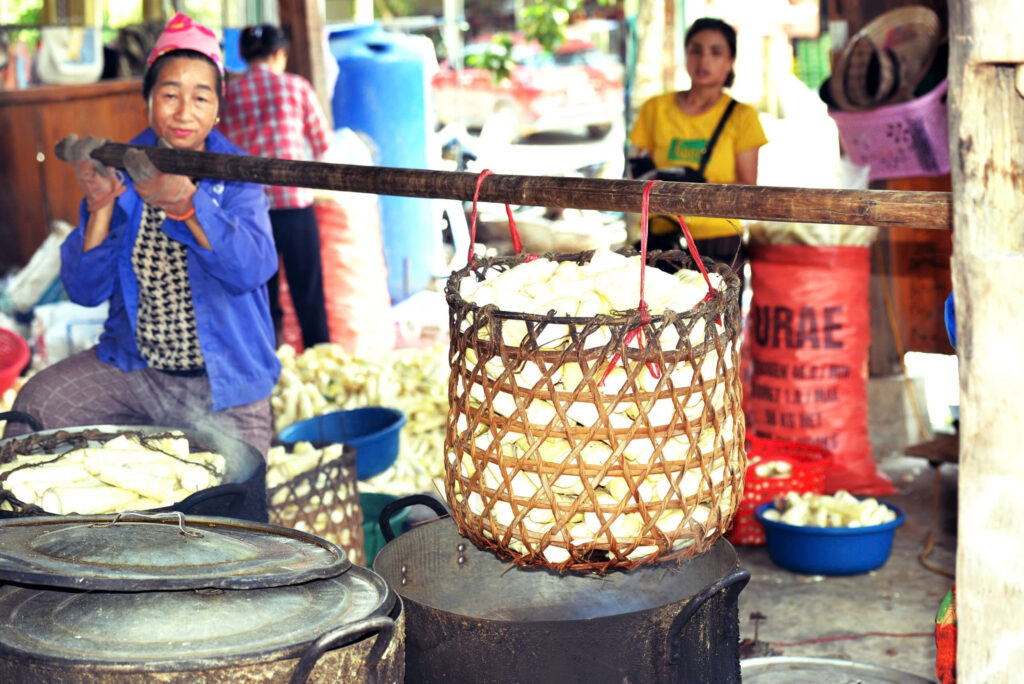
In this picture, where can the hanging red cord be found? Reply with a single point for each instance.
(517, 242)
(637, 333)
(645, 318)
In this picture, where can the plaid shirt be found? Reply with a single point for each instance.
(276, 115)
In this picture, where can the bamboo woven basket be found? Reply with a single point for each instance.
(548, 464)
(323, 501)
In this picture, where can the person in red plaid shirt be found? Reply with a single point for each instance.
(271, 113)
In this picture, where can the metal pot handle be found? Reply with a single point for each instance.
(734, 581)
(22, 417)
(393, 507)
(383, 626)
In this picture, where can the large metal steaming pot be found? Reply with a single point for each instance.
(472, 617)
(136, 598)
(242, 494)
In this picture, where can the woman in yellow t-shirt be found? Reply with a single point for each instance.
(673, 131)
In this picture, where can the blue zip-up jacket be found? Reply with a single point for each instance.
(229, 293)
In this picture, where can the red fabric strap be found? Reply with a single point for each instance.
(517, 242)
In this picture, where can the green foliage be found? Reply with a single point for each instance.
(27, 13)
(543, 21)
(497, 58)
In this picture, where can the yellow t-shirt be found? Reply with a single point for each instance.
(676, 139)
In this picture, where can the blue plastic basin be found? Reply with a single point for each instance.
(371, 430)
(828, 550)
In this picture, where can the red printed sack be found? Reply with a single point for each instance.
(811, 331)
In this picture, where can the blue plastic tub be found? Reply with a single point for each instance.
(372, 430)
(828, 550)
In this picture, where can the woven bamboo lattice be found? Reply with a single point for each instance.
(549, 463)
(323, 501)
(59, 444)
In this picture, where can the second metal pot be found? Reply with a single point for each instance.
(472, 617)
(134, 599)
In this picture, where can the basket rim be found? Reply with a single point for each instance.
(627, 317)
(400, 420)
(869, 116)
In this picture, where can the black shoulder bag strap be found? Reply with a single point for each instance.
(714, 137)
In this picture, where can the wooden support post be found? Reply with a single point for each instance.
(986, 120)
(306, 55)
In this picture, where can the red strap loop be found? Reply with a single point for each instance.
(637, 333)
(696, 257)
(517, 242)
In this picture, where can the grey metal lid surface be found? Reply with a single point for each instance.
(801, 670)
(137, 552)
(183, 630)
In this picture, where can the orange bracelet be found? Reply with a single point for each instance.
(190, 214)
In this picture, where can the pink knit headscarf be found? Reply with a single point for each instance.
(182, 33)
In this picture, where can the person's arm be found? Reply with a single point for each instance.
(239, 249)
(228, 229)
(640, 152)
(88, 265)
(314, 125)
(89, 273)
(749, 139)
(97, 227)
(192, 223)
(746, 167)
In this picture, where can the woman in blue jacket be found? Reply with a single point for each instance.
(183, 263)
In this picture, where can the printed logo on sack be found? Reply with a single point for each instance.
(782, 327)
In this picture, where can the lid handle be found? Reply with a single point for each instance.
(120, 517)
(383, 626)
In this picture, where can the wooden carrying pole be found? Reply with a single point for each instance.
(885, 208)
(986, 117)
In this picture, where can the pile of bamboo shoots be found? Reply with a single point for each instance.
(120, 475)
(326, 378)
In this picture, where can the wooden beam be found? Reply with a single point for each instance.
(808, 205)
(986, 145)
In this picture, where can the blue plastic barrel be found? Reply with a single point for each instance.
(381, 92)
(232, 57)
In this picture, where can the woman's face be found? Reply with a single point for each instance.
(183, 104)
(708, 59)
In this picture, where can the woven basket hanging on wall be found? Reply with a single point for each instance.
(552, 459)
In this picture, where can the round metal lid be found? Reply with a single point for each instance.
(138, 552)
(183, 630)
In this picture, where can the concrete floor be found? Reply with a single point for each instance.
(901, 597)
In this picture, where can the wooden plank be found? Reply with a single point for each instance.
(22, 217)
(36, 187)
(117, 115)
(986, 117)
(945, 448)
(811, 205)
(306, 54)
